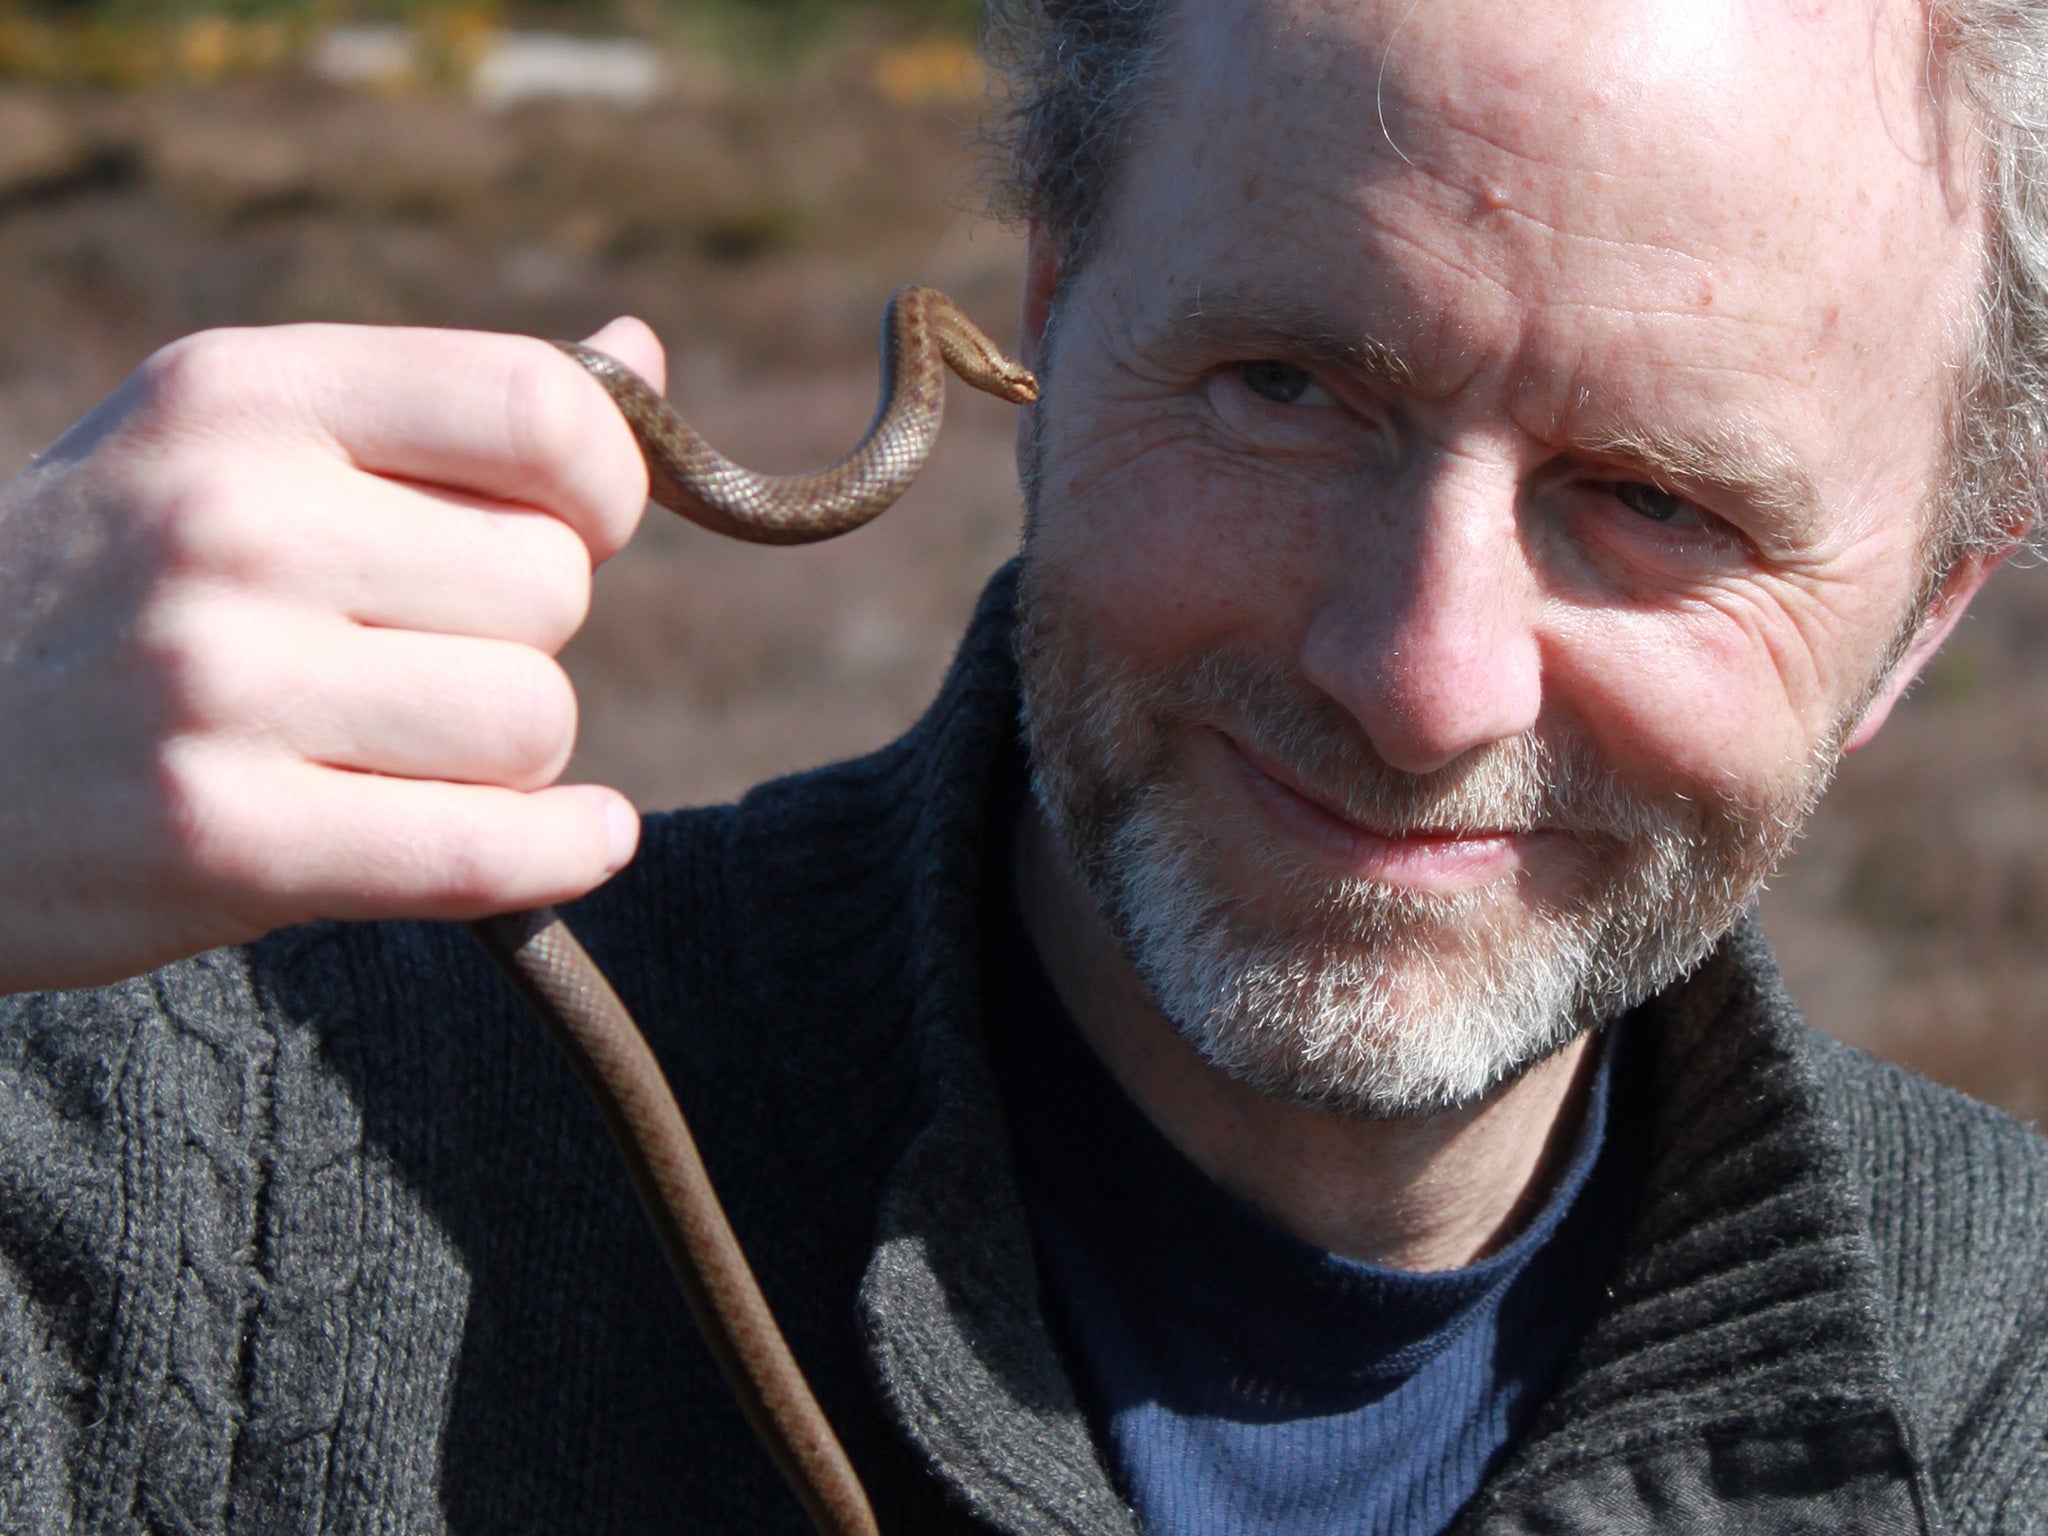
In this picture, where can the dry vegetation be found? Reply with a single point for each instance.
(759, 227)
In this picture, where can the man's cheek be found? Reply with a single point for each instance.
(1223, 547)
(1688, 704)
(1176, 548)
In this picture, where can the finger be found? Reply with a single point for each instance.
(383, 701)
(383, 552)
(320, 843)
(509, 418)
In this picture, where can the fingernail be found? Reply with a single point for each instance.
(622, 834)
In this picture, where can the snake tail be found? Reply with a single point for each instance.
(559, 981)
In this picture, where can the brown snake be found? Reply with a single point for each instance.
(921, 328)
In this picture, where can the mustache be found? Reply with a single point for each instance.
(1519, 784)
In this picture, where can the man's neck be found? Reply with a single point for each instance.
(1424, 1194)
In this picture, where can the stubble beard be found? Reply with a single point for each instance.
(1349, 994)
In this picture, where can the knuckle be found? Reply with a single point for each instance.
(535, 716)
(549, 419)
(204, 376)
(209, 521)
(197, 698)
(218, 666)
(175, 646)
(558, 599)
(203, 815)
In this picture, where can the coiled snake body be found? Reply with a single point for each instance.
(921, 332)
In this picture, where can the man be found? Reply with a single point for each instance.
(1486, 476)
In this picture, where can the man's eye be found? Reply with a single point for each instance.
(1651, 501)
(1282, 383)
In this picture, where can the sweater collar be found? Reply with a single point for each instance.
(1741, 1361)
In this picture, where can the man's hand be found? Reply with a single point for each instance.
(277, 636)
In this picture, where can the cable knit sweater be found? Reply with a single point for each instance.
(320, 1235)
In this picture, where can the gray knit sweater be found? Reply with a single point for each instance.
(321, 1236)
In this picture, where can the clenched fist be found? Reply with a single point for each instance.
(277, 633)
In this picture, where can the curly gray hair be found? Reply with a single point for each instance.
(1995, 52)
(1078, 72)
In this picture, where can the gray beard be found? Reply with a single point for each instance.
(1347, 994)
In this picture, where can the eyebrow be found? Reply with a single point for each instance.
(1754, 467)
(1236, 323)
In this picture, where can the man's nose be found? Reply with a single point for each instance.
(1425, 630)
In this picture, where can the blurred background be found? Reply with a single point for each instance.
(753, 177)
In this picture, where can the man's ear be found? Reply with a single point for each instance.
(1041, 282)
(1943, 614)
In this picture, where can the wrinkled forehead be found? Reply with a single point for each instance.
(1770, 133)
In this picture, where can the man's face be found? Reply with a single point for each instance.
(1479, 487)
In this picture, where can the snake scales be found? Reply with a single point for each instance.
(921, 332)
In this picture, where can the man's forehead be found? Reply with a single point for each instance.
(1828, 100)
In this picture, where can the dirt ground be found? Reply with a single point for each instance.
(759, 231)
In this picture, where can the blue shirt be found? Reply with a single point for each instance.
(1242, 1381)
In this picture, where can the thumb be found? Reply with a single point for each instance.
(634, 343)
